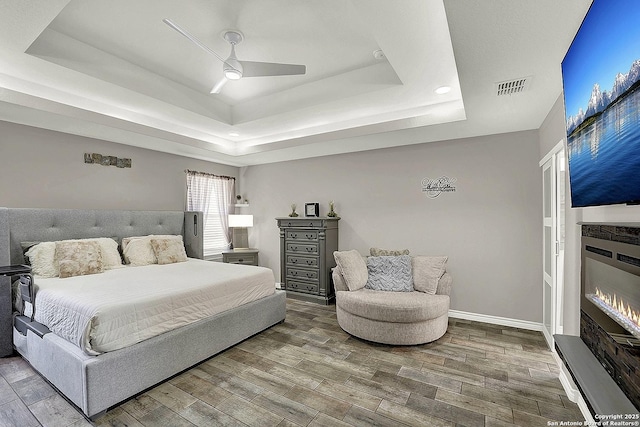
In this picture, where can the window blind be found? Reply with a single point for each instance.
(212, 195)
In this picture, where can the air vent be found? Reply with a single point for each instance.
(512, 86)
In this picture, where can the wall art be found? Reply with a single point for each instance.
(434, 187)
(99, 159)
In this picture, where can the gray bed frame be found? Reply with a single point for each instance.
(96, 383)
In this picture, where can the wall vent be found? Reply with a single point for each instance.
(511, 87)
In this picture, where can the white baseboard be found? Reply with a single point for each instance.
(569, 387)
(575, 396)
(496, 320)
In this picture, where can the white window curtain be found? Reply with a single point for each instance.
(213, 195)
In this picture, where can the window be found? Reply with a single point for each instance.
(212, 195)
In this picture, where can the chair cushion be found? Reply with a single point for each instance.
(353, 268)
(389, 273)
(398, 307)
(427, 271)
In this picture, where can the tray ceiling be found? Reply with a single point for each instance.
(113, 70)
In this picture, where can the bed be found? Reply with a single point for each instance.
(96, 375)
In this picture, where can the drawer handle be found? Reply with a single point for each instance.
(309, 262)
(240, 260)
(294, 260)
(310, 224)
(294, 235)
(309, 236)
(309, 275)
(294, 248)
(309, 249)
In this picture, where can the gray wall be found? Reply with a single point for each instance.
(490, 227)
(553, 128)
(45, 169)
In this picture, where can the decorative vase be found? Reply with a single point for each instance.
(331, 213)
(293, 211)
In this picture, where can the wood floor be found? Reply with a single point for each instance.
(308, 372)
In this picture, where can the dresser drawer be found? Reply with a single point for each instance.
(240, 258)
(311, 235)
(300, 260)
(301, 273)
(302, 248)
(301, 223)
(299, 286)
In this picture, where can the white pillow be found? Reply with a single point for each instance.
(127, 240)
(109, 249)
(42, 258)
(354, 269)
(427, 271)
(138, 250)
(44, 263)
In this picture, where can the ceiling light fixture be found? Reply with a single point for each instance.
(232, 68)
(442, 90)
(234, 134)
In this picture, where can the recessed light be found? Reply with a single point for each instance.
(234, 134)
(442, 90)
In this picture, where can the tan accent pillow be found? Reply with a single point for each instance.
(42, 258)
(77, 258)
(427, 271)
(169, 250)
(388, 252)
(354, 269)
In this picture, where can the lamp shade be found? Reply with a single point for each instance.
(240, 220)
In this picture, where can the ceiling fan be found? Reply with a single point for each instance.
(232, 67)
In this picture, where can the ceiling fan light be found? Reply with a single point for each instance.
(232, 74)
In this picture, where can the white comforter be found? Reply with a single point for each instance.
(117, 308)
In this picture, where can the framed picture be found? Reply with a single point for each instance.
(311, 209)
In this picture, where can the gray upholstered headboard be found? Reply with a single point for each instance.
(46, 225)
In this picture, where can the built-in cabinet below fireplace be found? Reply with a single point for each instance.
(605, 360)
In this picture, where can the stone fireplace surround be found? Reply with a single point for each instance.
(605, 360)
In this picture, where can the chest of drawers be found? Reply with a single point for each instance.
(306, 257)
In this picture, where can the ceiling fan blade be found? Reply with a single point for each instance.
(192, 38)
(261, 69)
(218, 87)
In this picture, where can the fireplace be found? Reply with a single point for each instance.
(610, 302)
(616, 292)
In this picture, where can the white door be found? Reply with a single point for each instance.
(553, 196)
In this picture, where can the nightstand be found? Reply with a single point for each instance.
(241, 256)
(8, 274)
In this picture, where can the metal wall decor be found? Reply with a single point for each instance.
(433, 187)
(99, 159)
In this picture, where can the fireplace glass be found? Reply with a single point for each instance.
(615, 292)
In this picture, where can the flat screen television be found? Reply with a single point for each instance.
(601, 79)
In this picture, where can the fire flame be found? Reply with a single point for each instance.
(620, 306)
